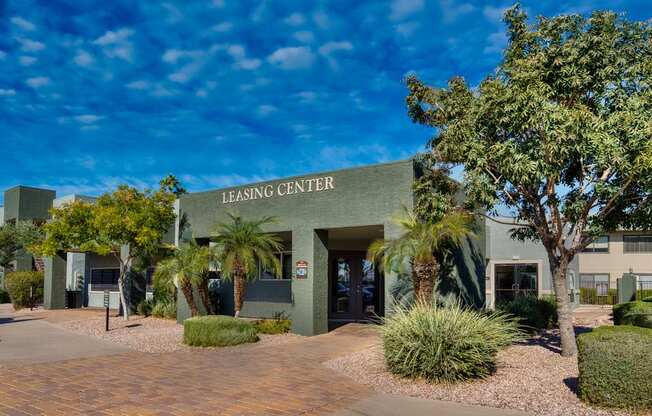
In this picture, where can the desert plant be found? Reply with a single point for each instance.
(188, 267)
(279, 325)
(422, 246)
(532, 312)
(165, 309)
(145, 307)
(636, 313)
(615, 367)
(402, 295)
(217, 331)
(445, 344)
(25, 288)
(242, 246)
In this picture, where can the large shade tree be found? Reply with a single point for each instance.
(560, 134)
(15, 237)
(243, 248)
(126, 224)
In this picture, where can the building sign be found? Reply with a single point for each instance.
(302, 269)
(297, 186)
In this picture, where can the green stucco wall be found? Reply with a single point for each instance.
(368, 195)
(25, 203)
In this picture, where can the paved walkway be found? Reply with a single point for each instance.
(284, 379)
(26, 339)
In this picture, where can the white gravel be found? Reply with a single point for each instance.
(149, 334)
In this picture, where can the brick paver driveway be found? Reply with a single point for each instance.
(254, 379)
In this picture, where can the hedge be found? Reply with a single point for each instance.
(615, 367)
(217, 331)
(4, 296)
(20, 284)
(636, 313)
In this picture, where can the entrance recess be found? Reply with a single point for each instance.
(355, 288)
(515, 279)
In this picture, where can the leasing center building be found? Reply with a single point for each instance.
(326, 222)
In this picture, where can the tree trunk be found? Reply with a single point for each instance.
(186, 288)
(124, 268)
(427, 274)
(238, 292)
(202, 288)
(566, 329)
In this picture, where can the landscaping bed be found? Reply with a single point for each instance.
(153, 335)
(531, 376)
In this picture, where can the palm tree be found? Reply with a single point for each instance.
(242, 247)
(189, 265)
(420, 247)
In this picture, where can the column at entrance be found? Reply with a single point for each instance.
(54, 285)
(310, 294)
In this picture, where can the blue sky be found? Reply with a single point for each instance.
(223, 92)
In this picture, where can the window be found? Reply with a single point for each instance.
(105, 279)
(286, 268)
(637, 243)
(599, 245)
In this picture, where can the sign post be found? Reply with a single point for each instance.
(107, 301)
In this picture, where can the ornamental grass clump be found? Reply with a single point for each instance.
(445, 344)
(217, 331)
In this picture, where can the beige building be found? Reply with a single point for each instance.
(609, 257)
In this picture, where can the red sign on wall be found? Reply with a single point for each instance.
(302, 269)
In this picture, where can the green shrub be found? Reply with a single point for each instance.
(647, 299)
(615, 367)
(644, 295)
(145, 307)
(633, 313)
(532, 312)
(21, 284)
(165, 309)
(273, 326)
(217, 331)
(445, 343)
(4, 296)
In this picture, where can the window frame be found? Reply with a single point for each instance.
(90, 281)
(593, 250)
(282, 253)
(638, 236)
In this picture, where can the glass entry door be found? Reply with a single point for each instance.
(514, 279)
(355, 292)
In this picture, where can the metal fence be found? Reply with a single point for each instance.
(644, 289)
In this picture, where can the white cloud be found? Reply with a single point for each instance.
(27, 60)
(84, 59)
(223, 27)
(23, 24)
(239, 55)
(29, 45)
(292, 58)
(451, 10)
(201, 93)
(37, 82)
(295, 19)
(7, 92)
(321, 19)
(138, 85)
(87, 162)
(401, 9)
(218, 3)
(3, 55)
(306, 96)
(266, 109)
(171, 56)
(406, 29)
(494, 14)
(497, 41)
(114, 37)
(90, 127)
(328, 48)
(116, 44)
(236, 51)
(249, 63)
(186, 72)
(304, 36)
(87, 118)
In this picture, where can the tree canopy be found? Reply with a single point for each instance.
(15, 237)
(560, 134)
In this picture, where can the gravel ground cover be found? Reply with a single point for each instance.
(531, 376)
(149, 334)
